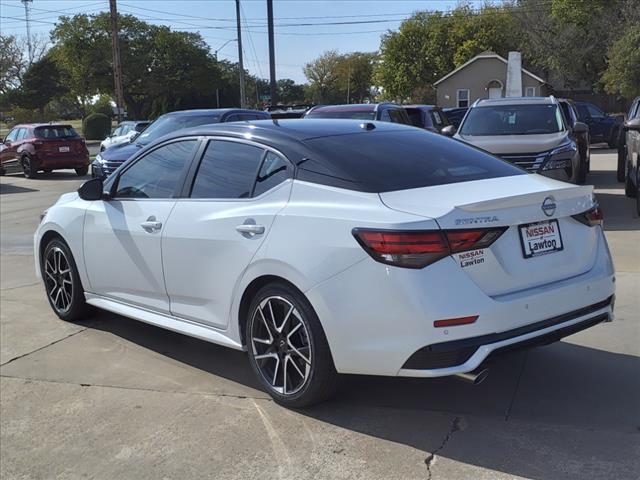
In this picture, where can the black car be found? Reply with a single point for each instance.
(603, 128)
(384, 112)
(455, 115)
(583, 140)
(429, 117)
(110, 159)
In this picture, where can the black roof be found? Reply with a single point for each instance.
(364, 155)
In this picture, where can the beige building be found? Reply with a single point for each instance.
(484, 76)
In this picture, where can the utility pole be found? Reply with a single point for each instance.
(349, 83)
(117, 66)
(240, 65)
(26, 16)
(272, 57)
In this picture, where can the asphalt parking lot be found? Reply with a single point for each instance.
(113, 398)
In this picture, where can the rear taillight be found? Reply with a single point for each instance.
(419, 248)
(591, 217)
(38, 143)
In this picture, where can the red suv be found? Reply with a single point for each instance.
(43, 147)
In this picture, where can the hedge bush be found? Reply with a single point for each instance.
(96, 126)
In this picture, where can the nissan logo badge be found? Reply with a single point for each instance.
(549, 206)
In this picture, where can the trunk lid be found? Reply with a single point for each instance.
(511, 202)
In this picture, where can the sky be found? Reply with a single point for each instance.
(302, 30)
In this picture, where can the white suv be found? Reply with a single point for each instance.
(528, 131)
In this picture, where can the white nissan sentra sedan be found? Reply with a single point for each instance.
(324, 247)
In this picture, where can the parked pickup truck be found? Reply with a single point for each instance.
(603, 128)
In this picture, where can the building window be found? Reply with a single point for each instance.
(530, 92)
(463, 98)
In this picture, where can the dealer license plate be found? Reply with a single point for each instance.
(540, 238)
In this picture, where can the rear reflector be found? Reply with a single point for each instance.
(452, 322)
(419, 248)
(591, 217)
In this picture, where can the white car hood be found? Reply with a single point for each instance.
(505, 144)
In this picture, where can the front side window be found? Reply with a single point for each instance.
(273, 172)
(385, 116)
(398, 116)
(227, 170)
(22, 133)
(512, 120)
(463, 98)
(156, 175)
(595, 112)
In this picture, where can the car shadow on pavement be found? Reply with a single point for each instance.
(6, 188)
(545, 401)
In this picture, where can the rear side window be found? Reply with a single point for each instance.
(227, 170)
(388, 161)
(273, 172)
(56, 132)
(415, 115)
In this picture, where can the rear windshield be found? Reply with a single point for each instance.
(512, 120)
(399, 160)
(172, 123)
(57, 131)
(355, 114)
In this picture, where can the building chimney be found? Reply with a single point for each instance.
(514, 75)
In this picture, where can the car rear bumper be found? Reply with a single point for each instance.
(377, 317)
(465, 355)
(71, 161)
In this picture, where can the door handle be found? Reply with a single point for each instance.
(250, 229)
(151, 225)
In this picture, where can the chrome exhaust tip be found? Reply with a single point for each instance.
(475, 377)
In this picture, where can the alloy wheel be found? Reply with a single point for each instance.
(58, 279)
(281, 345)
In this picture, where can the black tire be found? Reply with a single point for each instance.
(583, 169)
(28, 167)
(622, 160)
(630, 190)
(82, 171)
(320, 379)
(72, 306)
(614, 141)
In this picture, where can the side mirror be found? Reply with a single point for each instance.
(92, 190)
(134, 136)
(632, 125)
(449, 131)
(580, 127)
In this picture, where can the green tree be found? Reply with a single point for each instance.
(568, 40)
(163, 70)
(354, 73)
(11, 63)
(430, 44)
(322, 75)
(290, 92)
(42, 82)
(622, 75)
